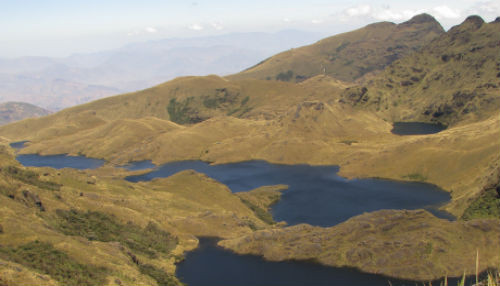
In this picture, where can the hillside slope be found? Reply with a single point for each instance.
(185, 100)
(351, 55)
(95, 228)
(455, 77)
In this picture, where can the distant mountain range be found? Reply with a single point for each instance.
(54, 83)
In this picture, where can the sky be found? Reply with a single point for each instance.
(59, 28)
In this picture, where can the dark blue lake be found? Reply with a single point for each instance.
(59, 161)
(210, 265)
(316, 194)
(416, 128)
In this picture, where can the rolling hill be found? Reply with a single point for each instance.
(57, 83)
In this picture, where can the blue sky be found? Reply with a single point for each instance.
(63, 27)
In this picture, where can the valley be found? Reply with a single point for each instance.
(139, 230)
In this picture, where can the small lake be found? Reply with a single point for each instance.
(316, 194)
(18, 145)
(210, 265)
(59, 161)
(416, 128)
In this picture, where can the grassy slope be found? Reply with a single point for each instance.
(246, 98)
(408, 244)
(454, 78)
(351, 55)
(185, 204)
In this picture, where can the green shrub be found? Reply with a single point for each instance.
(31, 178)
(487, 205)
(285, 76)
(101, 227)
(415, 177)
(161, 277)
(43, 257)
(181, 112)
(261, 213)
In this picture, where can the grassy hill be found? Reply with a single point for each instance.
(186, 100)
(456, 77)
(15, 111)
(351, 55)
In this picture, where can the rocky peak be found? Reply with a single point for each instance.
(472, 23)
(422, 18)
(424, 21)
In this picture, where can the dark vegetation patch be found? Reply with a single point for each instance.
(181, 112)
(30, 177)
(92, 225)
(161, 277)
(285, 76)
(261, 213)
(487, 205)
(348, 142)
(44, 258)
(221, 97)
(415, 177)
(241, 109)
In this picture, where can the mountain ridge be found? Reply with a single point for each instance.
(15, 111)
(351, 55)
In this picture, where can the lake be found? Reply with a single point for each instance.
(416, 128)
(18, 145)
(316, 194)
(59, 161)
(210, 265)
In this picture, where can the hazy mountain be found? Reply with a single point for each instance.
(15, 111)
(57, 83)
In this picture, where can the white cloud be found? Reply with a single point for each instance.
(360, 10)
(383, 13)
(446, 12)
(217, 25)
(147, 30)
(196, 27)
(150, 30)
(286, 20)
(489, 10)
(316, 21)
